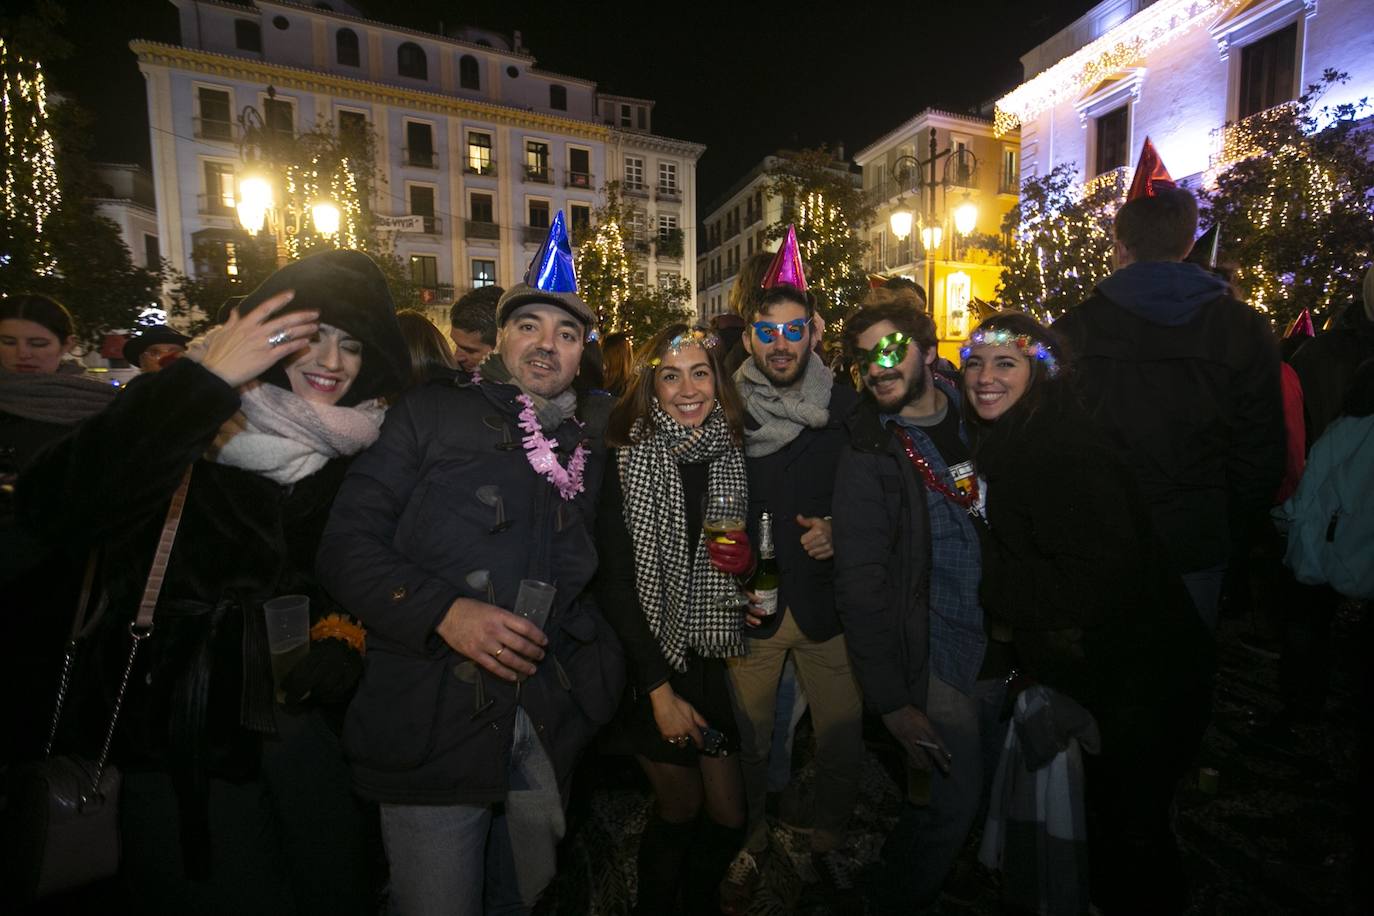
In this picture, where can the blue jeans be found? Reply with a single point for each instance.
(460, 860)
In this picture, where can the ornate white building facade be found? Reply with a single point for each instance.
(473, 139)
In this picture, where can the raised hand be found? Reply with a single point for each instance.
(247, 345)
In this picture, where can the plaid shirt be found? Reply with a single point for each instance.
(957, 640)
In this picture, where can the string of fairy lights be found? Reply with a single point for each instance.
(604, 255)
(30, 191)
(303, 184)
(1122, 46)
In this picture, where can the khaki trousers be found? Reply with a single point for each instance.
(836, 716)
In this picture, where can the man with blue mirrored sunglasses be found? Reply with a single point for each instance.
(769, 331)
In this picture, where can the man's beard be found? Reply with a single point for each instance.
(797, 369)
(914, 389)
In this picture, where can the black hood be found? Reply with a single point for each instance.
(350, 293)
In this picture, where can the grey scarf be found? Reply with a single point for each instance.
(57, 398)
(550, 411)
(783, 413)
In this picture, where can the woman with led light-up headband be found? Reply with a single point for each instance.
(1076, 580)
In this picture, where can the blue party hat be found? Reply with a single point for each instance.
(552, 268)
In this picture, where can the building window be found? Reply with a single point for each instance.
(346, 48)
(410, 61)
(152, 254)
(666, 277)
(1266, 71)
(216, 117)
(667, 177)
(538, 214)
(483, 208)
(469, 73)
(219, 257)
(219, 188)
(279, 117)
(579, 167)
(353, 131)
(419, 149)
(558, 98)
(483, 273)
(537, 161)
(247, 35)
(479, 153)
(1009, 181)
(422, 204)
(634, 173)
(625, 120)
(667, 225)
(424, 270)
(581, 218)
(1112, 140)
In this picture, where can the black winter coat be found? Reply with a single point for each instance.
(445, 492)
(1326, 367)
(882, 564)
(1072, 565)
(1195, 410)
(799, 479)
(202, 696)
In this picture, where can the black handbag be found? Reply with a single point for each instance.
(63, 816)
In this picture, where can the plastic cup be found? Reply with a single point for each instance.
(288, 633)
(535, 600)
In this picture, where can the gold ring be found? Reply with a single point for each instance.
(497, 653)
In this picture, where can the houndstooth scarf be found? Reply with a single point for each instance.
(689, 605)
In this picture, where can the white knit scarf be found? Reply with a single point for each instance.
(689, 605)
(285, 438)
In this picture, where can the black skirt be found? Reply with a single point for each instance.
(705, 686)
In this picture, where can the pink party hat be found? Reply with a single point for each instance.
(787, 264)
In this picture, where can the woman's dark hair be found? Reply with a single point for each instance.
(430, 355)
(40, 310)
(638, 399)
(618, 357)
(1040, 387)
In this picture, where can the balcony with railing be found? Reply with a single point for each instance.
(433, 225)
(668, 193)
(1113, 183)
(573, 179)
(1009, 182)
(214, 129)
(669, 244)
(479, 168)
(214, 205)
(534, 235)
(481, 229)
(538, 174)
(1242, 139)
(439, 293)
(634, 189)
(420, 158)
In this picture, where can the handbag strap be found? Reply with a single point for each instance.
(140, 629)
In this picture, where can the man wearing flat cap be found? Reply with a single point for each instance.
(470, 717)
(154, 347)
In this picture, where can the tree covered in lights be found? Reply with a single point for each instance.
(608, 266)
(1056, 242)
(1297, 209)
(820, 197)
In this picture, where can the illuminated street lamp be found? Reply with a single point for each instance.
(932, 237)
(966, 216)
(900, 221)
(325, 215)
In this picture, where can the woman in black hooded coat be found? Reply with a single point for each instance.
(233, 802)
(1075, 575)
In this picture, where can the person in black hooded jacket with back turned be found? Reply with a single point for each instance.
(1184, 379)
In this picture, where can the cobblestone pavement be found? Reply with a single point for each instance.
(1275, 836)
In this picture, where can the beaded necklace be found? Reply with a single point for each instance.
(967, 500)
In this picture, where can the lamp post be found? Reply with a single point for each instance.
(926, 183)
(257, 203)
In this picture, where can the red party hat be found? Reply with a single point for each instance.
(787, 264)
(1301, 326)
(876, 281)
(1150, 174)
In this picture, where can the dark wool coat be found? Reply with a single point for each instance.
(444, 493)
(799, 479)
(882, 564)
(1193, 408)
(202, 696)
(1071, 564)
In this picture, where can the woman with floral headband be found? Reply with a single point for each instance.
(673, 600)
(1073, 572)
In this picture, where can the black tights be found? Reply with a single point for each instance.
(681, 852)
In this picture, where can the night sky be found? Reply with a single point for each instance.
(743, 78)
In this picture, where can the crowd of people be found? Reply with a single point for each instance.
(520, 542)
